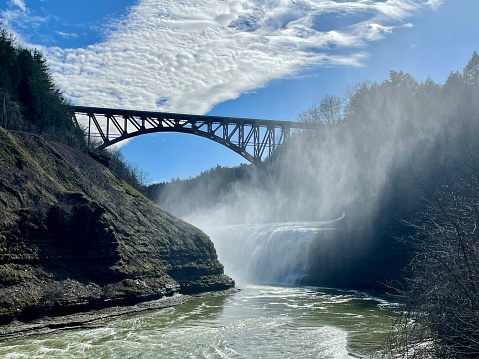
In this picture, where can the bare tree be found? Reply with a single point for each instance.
(329, 111)
(441, 318)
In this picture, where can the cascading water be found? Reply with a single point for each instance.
(273, 253)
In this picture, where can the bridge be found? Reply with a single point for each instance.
(253, 139)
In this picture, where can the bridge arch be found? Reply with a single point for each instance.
(253, 139)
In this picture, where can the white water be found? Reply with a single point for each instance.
(258, 322)
(273, 253)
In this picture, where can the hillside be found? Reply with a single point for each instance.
(73, 236)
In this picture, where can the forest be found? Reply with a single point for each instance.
(398, 158)
(29, 99)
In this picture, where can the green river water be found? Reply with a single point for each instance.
(257, 322)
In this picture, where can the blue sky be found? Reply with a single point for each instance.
(267, 59)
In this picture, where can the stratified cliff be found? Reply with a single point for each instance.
(74, 237)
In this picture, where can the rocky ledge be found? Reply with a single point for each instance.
(74, 237)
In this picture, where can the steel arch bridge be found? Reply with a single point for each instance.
(253, 139)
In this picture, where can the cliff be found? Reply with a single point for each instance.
(75, 237)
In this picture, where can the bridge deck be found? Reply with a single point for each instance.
(215, 119)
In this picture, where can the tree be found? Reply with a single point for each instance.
(8, 56)
(471, 71)
(311, 115)
(441, 319)
(329, 111)
(130, 173)
(29, 98)
(401, 79)
(10, 111)
(357, 98)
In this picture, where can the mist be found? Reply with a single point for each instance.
(352, 184)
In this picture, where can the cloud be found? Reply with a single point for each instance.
(18, 16)
(20, 4)
(67, 35)
(434, 4)
(188, 56)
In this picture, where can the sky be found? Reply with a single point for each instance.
(269, 59)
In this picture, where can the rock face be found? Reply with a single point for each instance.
(75, 237)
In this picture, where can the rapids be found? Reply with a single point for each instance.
(257, 322)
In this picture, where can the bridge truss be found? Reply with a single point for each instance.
(253, 139)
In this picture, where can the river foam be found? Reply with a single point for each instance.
(258, 321)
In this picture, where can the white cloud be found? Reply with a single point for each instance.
(18, 16)
(434, 4)
(66, 34)
(20, 4)
(187, 56)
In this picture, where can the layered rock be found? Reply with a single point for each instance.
(74, 237)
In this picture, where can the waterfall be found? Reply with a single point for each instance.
(274, 253)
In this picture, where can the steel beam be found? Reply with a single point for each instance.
(253, 139)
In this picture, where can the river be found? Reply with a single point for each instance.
(259, 321)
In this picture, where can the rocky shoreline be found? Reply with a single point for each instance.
(95, 318)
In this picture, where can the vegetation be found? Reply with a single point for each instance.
(441, 316)
(29, 100)
(441, 294)
(128, 172)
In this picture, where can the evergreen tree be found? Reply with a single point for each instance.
(8, 56)
(471, 71)
(29, 98)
